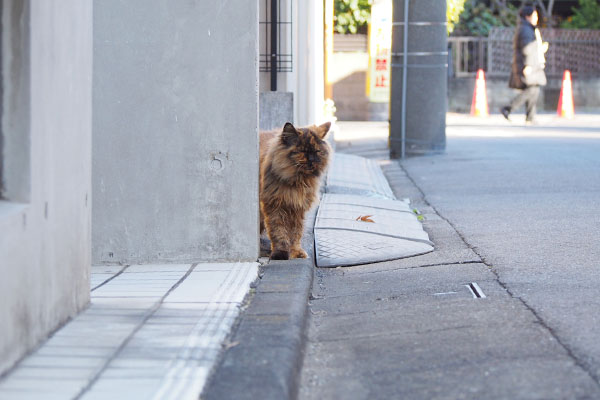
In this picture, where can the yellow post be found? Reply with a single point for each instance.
(380, 50)
(329, 12)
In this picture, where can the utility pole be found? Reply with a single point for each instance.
(419, 78)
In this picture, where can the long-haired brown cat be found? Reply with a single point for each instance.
(291, 163)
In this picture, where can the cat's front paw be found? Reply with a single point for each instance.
(298, 253)
(280, 255)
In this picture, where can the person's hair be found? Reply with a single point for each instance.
(526, 11)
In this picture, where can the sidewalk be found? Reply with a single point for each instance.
(150, 332)
(267, 361)
(439, 325)
(491, 313)
(157, 331)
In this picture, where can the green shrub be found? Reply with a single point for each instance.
(586, 16)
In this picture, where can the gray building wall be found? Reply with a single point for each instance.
(45, 215)
(175, 131)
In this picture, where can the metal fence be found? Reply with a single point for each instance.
(575, 50)
(468, 54)
(276, 36)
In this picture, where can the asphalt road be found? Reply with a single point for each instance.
(514, 209)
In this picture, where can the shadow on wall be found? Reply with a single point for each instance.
(348, 73)
(352, 103)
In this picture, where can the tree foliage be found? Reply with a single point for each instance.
(453, 10)
(586, 16)
(352, 16)
(478, 17)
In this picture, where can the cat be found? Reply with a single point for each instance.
(291, 163)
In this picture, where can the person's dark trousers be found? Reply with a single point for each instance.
(529, 96)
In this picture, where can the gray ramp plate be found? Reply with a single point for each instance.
(357, 175)
(341, 239)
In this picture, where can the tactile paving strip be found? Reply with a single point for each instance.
(350, 174)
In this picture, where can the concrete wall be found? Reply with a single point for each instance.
(586, 94)
(276, 108)
(175, 157)
(45, 226)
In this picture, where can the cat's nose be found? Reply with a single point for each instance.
(311, 157)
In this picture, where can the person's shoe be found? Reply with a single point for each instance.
(505, 112)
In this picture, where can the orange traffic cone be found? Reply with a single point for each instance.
(566, 109)
(479, 106)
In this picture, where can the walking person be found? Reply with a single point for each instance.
(528, 64)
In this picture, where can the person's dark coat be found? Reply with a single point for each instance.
(526, 53)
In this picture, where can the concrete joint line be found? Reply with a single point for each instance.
(576, 360)
(111, 278)
(422, 266)
(148, 315)
(329, 228)
(374, 207)
(171, 387)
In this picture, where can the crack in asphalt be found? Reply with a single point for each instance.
(588, 369)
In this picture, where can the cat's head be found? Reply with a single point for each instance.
(303, 150)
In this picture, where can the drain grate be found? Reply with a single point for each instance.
(475, 290)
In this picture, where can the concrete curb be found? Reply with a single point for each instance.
(266, 348)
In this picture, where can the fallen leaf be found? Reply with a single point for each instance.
(227, 344)
(365, 218)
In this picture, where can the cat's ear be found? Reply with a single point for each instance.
(289, 135)
(323, 129)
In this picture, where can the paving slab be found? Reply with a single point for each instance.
(350, 174)
(359, 219)
(356, 229)
(150, 332)
(265, 351)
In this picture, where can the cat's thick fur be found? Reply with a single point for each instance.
(292, 161)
